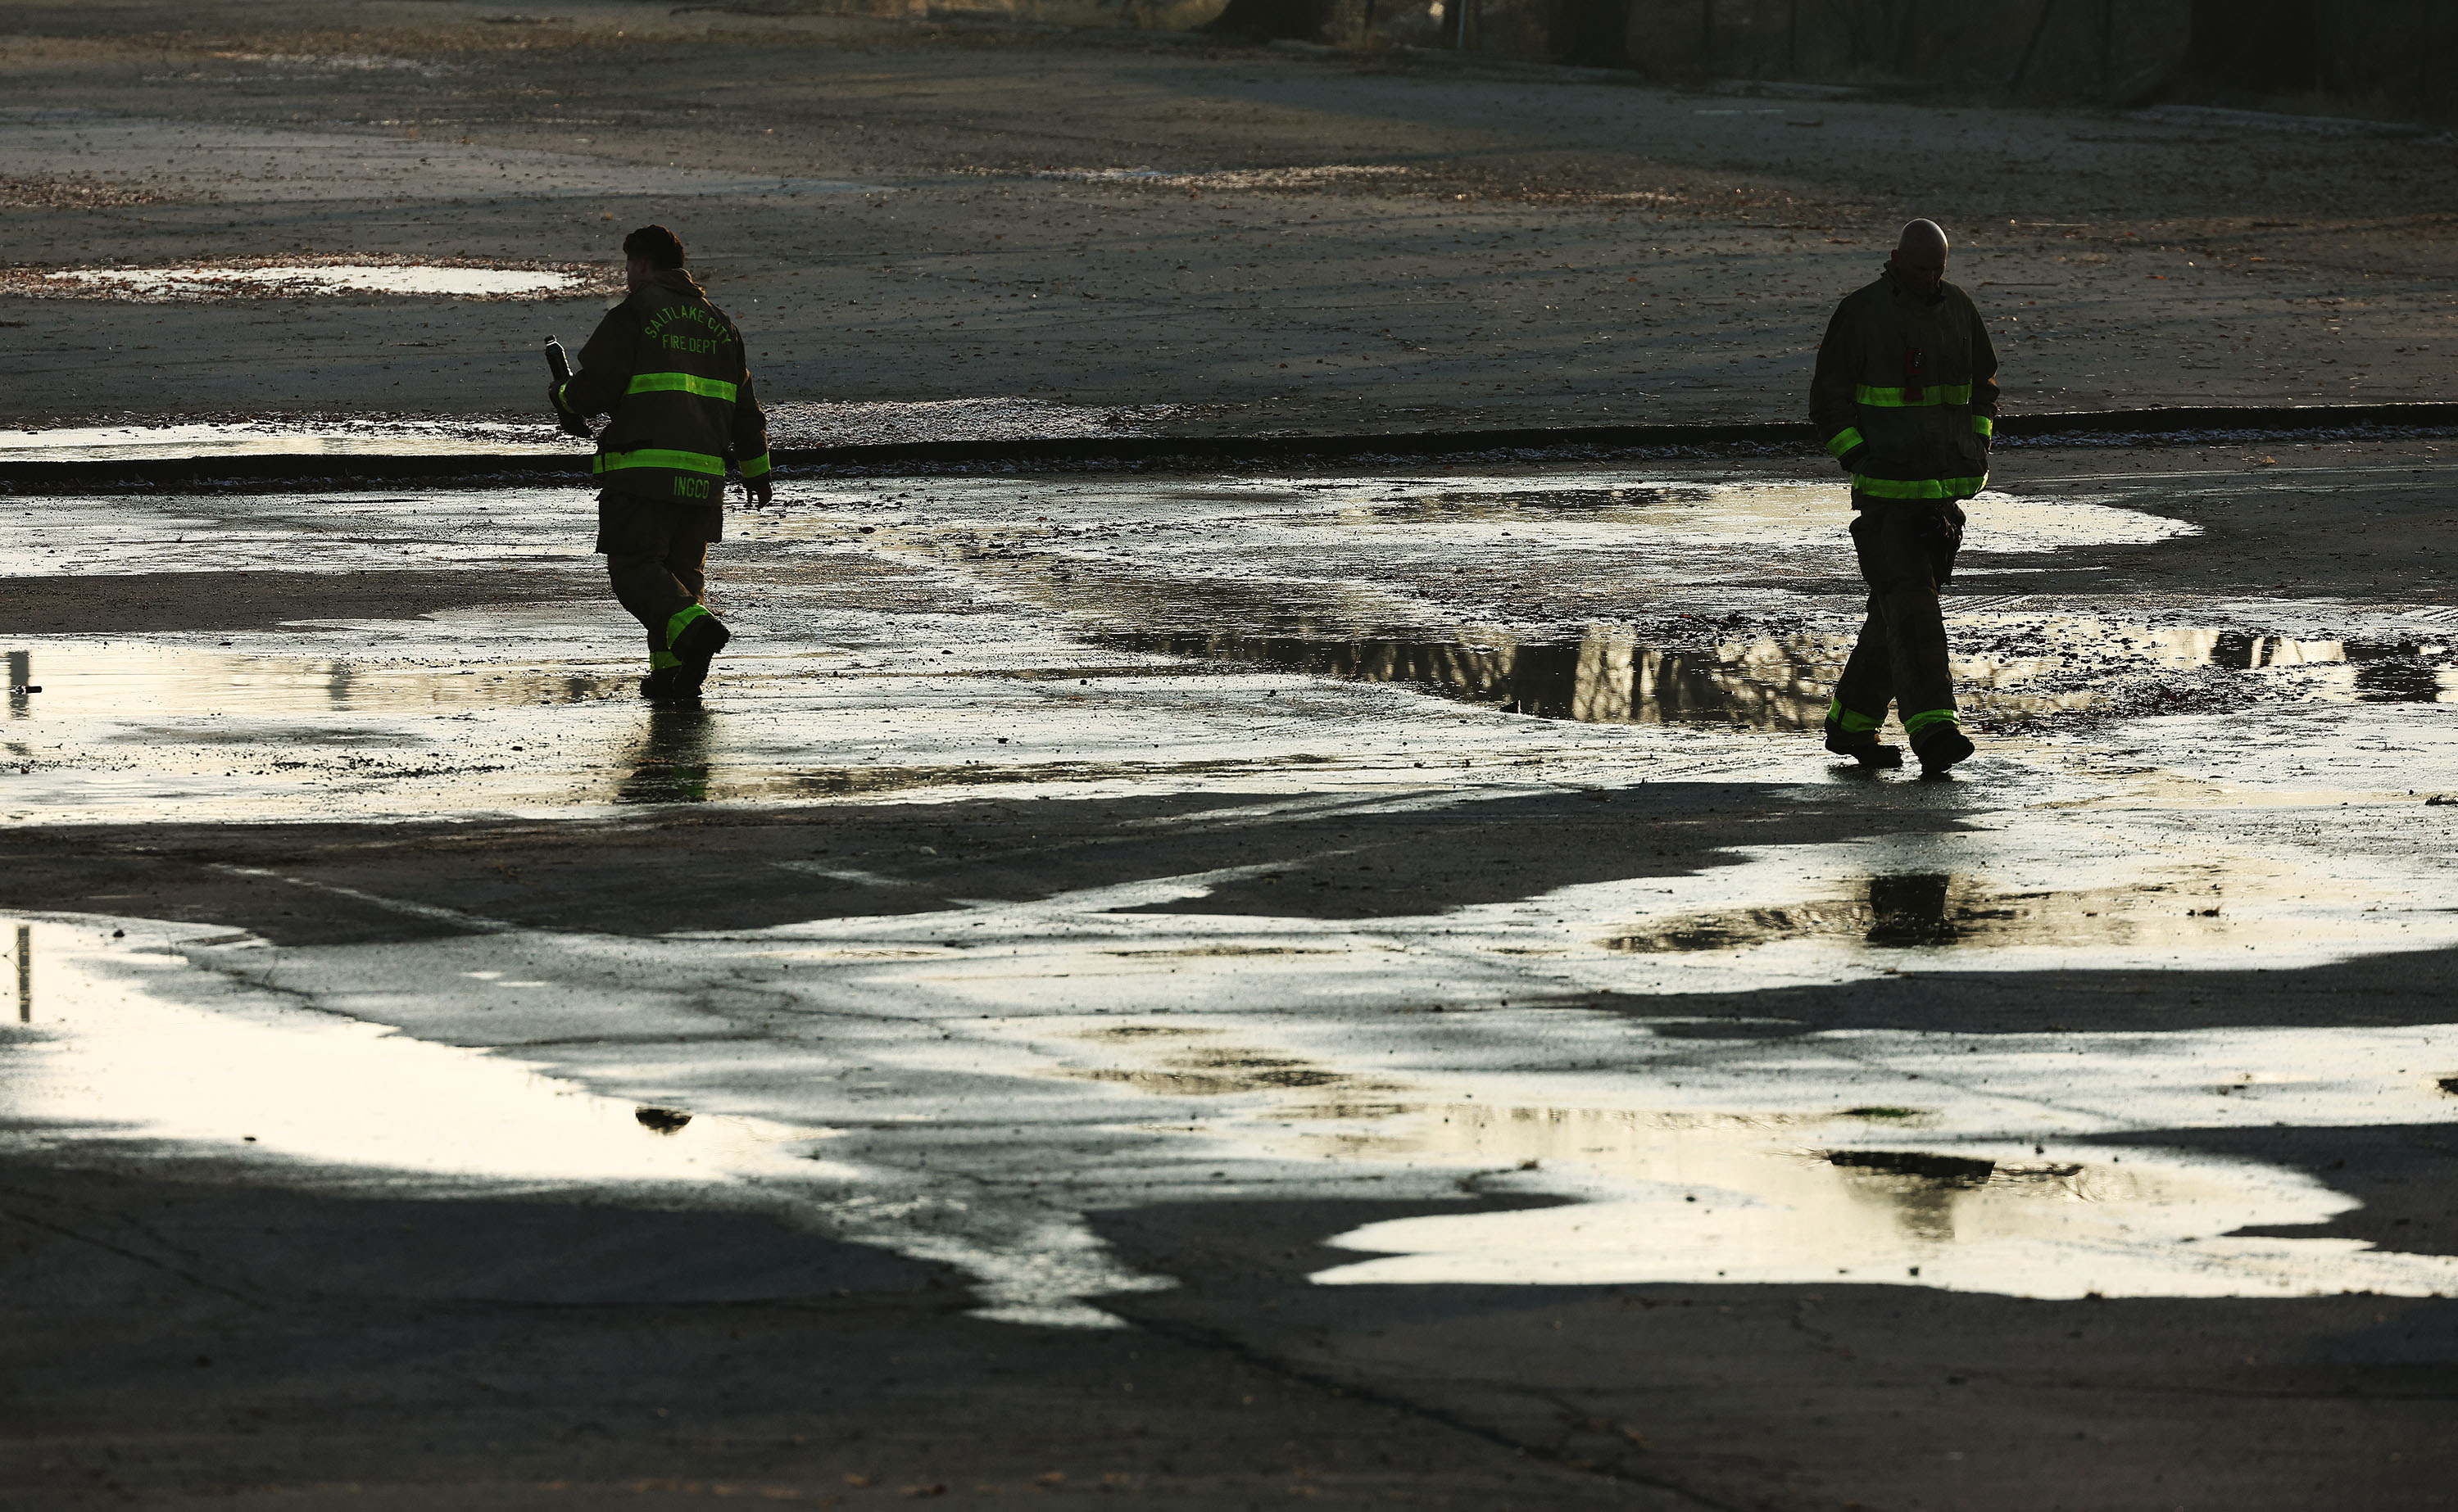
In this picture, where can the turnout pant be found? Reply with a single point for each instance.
(1906, 549)
(657, 556)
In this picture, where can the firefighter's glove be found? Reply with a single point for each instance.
(1851, 460)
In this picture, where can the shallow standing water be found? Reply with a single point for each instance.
(907, 1062)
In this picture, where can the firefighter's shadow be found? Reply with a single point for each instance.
(669, 761)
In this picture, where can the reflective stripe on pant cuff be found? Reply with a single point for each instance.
(1916, 725)
(682, 620)
(1850, 724)
(660, 660)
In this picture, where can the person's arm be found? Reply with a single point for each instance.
(1832, 408)
(1984, 381)
(605, 373)
(750, 435)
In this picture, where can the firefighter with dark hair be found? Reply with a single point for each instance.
(669, 367)
(1906, 398)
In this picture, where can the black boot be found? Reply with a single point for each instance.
(658, 687)
(695, 649)
(1862, 747)
(1942, 749)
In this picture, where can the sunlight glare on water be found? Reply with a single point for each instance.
(123, 1038)
(333, 278)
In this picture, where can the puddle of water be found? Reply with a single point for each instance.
(1695, 512)
(1292, 177)
(2150, 883)
(124, 729)
(121, 1041)
(471, 531)
(1612, 521)
(998, 418)
(1936, 910)
(104, 1050)
(1193, 1067)
(1763, 1201)
(1609, 674)
(143, 684)
(343, 62)
(340, 277)
(961, 1057)
(789, 424)
(141, 442)
(976, 1062)
(1974, 1181)
(1026, 579)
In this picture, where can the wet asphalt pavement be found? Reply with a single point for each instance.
(1232, 991)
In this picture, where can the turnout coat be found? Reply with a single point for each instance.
(670, 367)
(1905, 392)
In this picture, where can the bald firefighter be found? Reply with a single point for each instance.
(669, 367)
(1906, 398)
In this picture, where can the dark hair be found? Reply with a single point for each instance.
(656, 245)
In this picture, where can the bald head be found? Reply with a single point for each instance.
(1919, 258)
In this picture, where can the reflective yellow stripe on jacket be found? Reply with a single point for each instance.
(1919, 488)
(681, 383)
(652, 457)
(1900, 397)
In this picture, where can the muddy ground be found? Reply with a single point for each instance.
(899, 212)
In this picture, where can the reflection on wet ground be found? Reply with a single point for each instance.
(1930, 910)
(980, 1073)
(1608, 675)
(1761, 1200)
(1195, 1067)
(139, 680)
(128, 1037)
(924, 1099)
(672, 760)
(2013, 665)
(1604, 675)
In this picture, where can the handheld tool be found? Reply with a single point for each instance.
(560, 366)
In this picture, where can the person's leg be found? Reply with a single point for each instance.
(687, 563)
(1859, 706)
(1907, 548)
(637, 539)
(693, 634)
